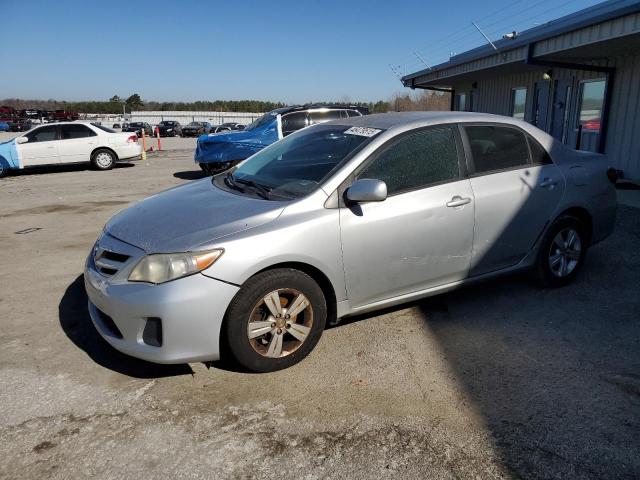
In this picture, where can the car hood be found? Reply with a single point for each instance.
(188, 217)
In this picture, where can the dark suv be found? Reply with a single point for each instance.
(219, 152)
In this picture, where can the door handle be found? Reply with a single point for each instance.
(548, 183)
(458, 201)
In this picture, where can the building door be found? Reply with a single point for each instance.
(539, 108)
(560, 116)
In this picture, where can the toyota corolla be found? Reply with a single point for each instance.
(337, 219)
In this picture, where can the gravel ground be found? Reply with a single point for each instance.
(498, 380)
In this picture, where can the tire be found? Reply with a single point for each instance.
(278, 342)
(103, 159)
(562, 252)
(4, 171)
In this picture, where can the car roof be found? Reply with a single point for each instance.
(406, 119)
(311, 106)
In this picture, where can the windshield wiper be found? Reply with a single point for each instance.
(230, 182)
(260, 189)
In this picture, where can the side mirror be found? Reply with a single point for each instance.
(22, 140)
(367, 190)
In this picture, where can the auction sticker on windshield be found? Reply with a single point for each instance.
(362, 131)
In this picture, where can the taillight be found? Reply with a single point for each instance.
(132, 138)
(613, 175)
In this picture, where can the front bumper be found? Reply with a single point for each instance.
(190, 310)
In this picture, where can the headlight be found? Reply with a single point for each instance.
(169, 129)
(164, 267)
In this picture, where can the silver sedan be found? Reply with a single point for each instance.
(337, 219)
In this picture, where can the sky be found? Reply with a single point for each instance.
(288, 51)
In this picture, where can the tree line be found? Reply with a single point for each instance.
(423, 100)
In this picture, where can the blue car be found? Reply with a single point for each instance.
(218, 152)
(4, 127)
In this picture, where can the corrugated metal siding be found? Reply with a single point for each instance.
(599, 32)
(623, 137)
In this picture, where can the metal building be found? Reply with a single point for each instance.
(577, 77)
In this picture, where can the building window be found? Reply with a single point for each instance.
(461, 102)
(518, 102)
(590, 113)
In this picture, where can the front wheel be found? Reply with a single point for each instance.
(103, 160)
(562, 252)
(275, 320)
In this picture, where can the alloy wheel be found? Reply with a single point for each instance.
(279, 323)
(565, 252)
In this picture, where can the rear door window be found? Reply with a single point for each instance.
(496, 148)
(70, 132)
(420, 159)
(539, 156)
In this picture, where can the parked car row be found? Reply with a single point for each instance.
(173, 128)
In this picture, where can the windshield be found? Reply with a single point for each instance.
(106, 129)
(263, 120)
(296, 165)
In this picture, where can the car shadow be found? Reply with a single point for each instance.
(190, 175)
(76, 324)
(71, 167)
(553, 373)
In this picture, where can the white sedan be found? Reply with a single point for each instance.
(68, 142)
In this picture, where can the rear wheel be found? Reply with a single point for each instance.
(103, 159)
(4, 171)
(562, 252)
(275, 320)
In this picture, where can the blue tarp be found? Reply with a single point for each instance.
(234, 146)
(9, 155)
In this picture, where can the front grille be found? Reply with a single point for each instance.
(108, 262)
